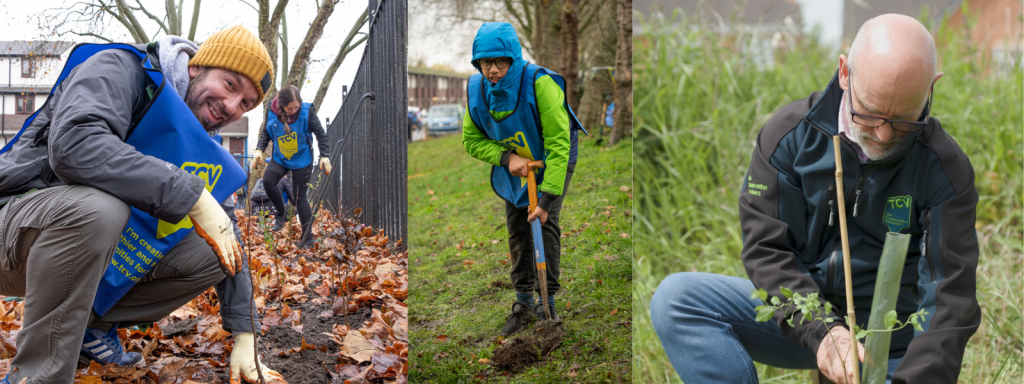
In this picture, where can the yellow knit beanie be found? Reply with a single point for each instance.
(238, 50)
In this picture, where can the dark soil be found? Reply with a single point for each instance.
(304, 366)
(524, 351)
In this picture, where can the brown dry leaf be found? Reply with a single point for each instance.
(483, 361)
(323, 290)
(290, 290)
(614, 311)
(624, 235)
(468, 262)
(625, 188)
(356, 347)
(442, 338)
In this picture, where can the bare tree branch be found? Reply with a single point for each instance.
(316, 29)
(346, 47)
(284, 48)
(141, 32)
(93, 35)
(152, 17)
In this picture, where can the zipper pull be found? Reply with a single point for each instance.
(831, 204)
(856, 200)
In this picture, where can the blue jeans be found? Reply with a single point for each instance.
(706, 325)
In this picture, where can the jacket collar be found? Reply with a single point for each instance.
(825, 112)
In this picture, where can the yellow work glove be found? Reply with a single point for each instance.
(325, 165)
(257, 158)
(244, 360)
(214, 226)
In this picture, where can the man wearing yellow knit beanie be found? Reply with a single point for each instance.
(67, 183)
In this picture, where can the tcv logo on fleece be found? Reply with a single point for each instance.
(897, 212)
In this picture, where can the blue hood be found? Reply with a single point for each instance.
(500, 40)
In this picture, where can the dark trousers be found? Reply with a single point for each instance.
(520, 245)
(300, 187)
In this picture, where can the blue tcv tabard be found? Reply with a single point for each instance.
(170, 132)
(292, 150)
(519, 131)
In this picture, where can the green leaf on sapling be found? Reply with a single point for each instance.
(764, 314)
(788, 293)
(775, 300)
(890, 319)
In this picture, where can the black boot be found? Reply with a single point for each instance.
(518, 320)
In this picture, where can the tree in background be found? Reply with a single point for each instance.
(623, 124)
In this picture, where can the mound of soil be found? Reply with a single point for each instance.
(524, 351)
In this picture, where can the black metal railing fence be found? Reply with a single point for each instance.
(368, 135)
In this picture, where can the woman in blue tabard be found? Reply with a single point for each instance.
(292, 125)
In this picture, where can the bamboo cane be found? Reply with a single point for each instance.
(846, 257)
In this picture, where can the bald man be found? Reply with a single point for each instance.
(902, 173)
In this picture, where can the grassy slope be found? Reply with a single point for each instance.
(699, 106)
(452, 207)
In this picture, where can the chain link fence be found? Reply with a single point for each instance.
(368, 135)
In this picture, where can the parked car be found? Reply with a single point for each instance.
(444, 118)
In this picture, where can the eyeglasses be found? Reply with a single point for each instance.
(899, 125)
(501, 62)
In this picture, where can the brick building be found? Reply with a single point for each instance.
(429, 87)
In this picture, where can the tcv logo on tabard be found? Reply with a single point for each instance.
(288, 145)
(518, 143)
(210, 174)
(897, 212)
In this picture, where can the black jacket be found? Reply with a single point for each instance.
(925, 189)
(78, 138)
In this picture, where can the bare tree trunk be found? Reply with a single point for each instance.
(316, 29)
(570, 50)
(172, 18)
(195, 21)
(346, 47)
(623, 124)
(540, 27)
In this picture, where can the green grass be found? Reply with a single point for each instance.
(452, 207)
(700, 102)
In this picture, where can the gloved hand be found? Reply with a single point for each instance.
(244, 361)
(325, 164)
(214, 226)
(257, 158)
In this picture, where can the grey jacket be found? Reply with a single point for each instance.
(79, 136)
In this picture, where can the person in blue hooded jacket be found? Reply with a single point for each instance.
(518, 114)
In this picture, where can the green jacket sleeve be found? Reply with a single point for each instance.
(554, 120)
(478, 145)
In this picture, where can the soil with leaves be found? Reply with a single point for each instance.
(332, 313)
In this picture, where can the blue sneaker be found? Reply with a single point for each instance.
(105, 348)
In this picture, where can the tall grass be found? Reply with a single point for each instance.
(702, 94)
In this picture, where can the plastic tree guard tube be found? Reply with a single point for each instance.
(887, 284)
